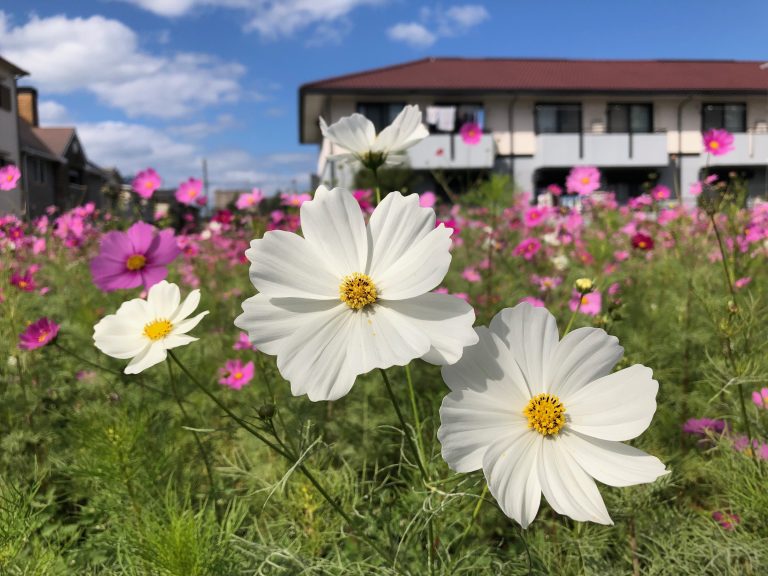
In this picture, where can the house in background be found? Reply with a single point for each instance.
(54, 165)
(11, 201)
(541, 117)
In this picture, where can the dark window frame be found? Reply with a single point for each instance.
(722, 126)
(457, 104)
(629, 105)
(361, 103)
(537, 128)
(6, 98)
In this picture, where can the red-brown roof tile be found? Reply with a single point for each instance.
(463, 74)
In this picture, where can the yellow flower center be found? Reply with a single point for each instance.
(148, 184)
(238, 375)
(714, 145)
(43, 335)
(585, 180)
(136, 262)
(23, 283)
(357, 291)
(158, 329)
(545, 414)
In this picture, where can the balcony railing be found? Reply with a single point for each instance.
(602, 149)
(449, 151)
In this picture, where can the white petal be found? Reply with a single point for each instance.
(531, 335)
(315, 359)
(176, 340)
(445, 319)
(355, 133)
(271, 321)
(186, 325)
(510, 466)
(285, 265)
(485, 363)
(189, 305)
(405, 131)
(382, 338)
(153, 354)
(613, 463)
(395, 225)
(333, 224)
(471, 421)
(619, 406)
(419, 270)
(567, 488)
(581, 357)
(163, 299)
(117, 337)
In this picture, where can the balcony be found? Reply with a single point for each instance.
(450, 152)
(748, 148)
(603, 150)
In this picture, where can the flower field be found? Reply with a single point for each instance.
(363, 382)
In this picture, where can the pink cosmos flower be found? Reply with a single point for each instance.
(717, 141)
(583, 180)
(528, 248)
(741, 282)
(621, 255)
(190, 192)
(249, 199)
(760, 398)
(546, 283)
(471, 133)
(295, 200)
(535, 302)
(243, 342)
(661, 192)
(704, 426)
(555, 190)
(471, 274)
(38, 334)
(591, 303)
(235, 374)
(363, 198)
(534, 216)
(137, 257)
(146, 182)
(726, 520)
(427, 199)
(9, 176)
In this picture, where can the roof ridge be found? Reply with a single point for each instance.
(368, 71)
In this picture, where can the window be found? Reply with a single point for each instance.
(381, 114)
(558, 118)
(37, 170)
(630, 118)
(5, 98)
(732, 117)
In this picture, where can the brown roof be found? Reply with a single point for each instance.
(464, 74)
(12, 67)
(49, 142)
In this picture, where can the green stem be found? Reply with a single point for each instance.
(376, 185)
(573, 316)
(200, 446)
(724, 258)
(85, 360)
(414, 410)
(408, 437)
(285, 454)
(475, 512)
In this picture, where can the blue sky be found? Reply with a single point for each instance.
(164, 83)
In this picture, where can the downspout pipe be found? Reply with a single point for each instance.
(679, 167)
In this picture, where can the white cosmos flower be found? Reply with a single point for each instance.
(357, 134)
(143, 330)
(539, 414)
(347, 298)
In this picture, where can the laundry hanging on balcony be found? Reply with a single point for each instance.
(442, 117)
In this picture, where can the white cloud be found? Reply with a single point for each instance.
(411, 33)
(132, 147)
(273, 19)
(52, 113)
(436, 23)
(102, 56)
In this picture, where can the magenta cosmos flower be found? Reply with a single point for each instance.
(718, 142)
(591, 303)
(235, 374)
(583, 180)
(146, 182)
(38, 334)
(528, 248)
(190, 192)
(471, 133)
(9, 176)
(139, 256)
(249, 199)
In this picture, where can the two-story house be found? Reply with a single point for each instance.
(10, 201)
(540, 117)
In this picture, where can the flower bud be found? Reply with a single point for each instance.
(584, 285)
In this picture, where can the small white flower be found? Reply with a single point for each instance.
(347, 298)
(543, 415)
(551, 238)
(560, 262)
(143, 330)
(357, 134)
